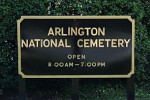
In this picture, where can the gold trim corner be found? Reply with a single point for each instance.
(21, 19)
(22, 74)
(131, 73)
(130, 19)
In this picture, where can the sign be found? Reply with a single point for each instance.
(75, 46)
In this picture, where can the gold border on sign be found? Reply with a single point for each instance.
(75, 17)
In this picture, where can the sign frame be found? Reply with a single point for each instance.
(74, 17)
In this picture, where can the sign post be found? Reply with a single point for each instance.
(22, 89)
(130, 88)
(75, 89)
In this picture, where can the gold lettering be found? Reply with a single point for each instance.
(127, 42)
(24, 43)
(31, 44)
(50, 32)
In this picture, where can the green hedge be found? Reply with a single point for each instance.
(11, 10)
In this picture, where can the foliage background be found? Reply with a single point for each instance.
(11, 10)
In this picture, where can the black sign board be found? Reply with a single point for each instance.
(75, 46)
